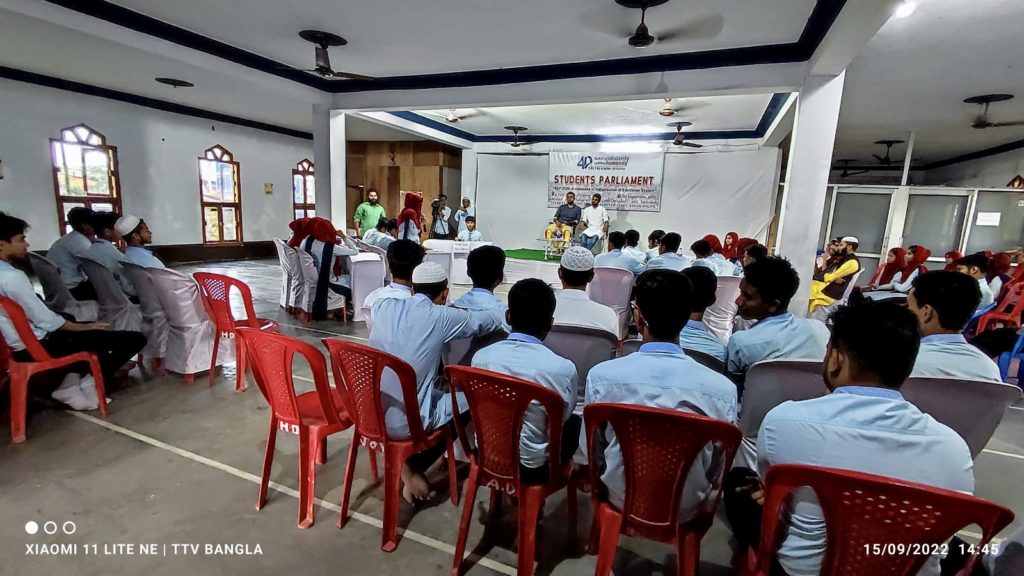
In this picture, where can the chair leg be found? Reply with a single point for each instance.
(239, 365)
(611, 525)
(393, 462)
(213, 358)
(373, 465)
(307, 477)
(350, 469)
(531, 503)
(268, 461)
(572, 510)
(321, 451)
(468, 502)
(101, 389)
(494, 506)
(189, 378)
(19, 405)
(688, 554)
(453, 478)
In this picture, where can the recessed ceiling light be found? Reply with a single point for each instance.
(176, 83)
(906, 8)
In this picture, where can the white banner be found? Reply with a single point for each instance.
(625, 181)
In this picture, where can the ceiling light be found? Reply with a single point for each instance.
(906, 8)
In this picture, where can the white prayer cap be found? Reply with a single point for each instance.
(578, 259)
(850, 240)
(126, 224)
(429, 273)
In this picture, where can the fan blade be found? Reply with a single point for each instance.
(704, 28)
(610, 19)
(879, 158)
(350, 75)
(693, 145)
(1005, 124)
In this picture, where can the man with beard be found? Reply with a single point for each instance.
(368, 213)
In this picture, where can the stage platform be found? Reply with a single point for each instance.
(519, 264)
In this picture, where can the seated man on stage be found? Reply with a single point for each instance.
(470, 234)
(558, 234)
(594, 224)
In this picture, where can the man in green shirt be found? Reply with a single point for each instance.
(368, 213)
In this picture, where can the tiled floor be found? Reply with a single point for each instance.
(178, 464)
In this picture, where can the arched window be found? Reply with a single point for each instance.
(220, 196)
(303, 190)
(84, 173)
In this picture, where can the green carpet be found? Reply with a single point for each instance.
(527, 254)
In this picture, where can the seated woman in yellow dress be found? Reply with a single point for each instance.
(558, 234)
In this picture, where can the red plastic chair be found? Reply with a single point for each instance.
(659, 447)
(497, 405)
(22, 372)
(312, 416)
(863, 509)
(358, 368)
(215, 290)
(1007, 313)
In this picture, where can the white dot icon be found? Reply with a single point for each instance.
(31, 527)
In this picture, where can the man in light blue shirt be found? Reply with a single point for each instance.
(864, 425)
(654, 244)
(765, 291)
(616, 258)
(632, 248)
(373, 235)
(66, 251)
(104, 252)
(486, 267)
(136, 234)
(668, 257)
(416, 329)
(975, 266)
(660, 375)
(469, 233)
(531, 314)
(403, 257)
(695, 335)
(708, 258)
(944, 303)
(465, 212)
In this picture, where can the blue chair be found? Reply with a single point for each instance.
(1007, 357)
(972, 324)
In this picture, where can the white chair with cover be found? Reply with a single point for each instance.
(585, 347)
(719, 316)
(767, 385)
(384, 257)
(57, 296)
(288, 275)
(190, 331)
(368, 271)
(460, 352)
(971, 408)
(154, 321)
(822, 312)
(612, 287)
(115, 308)
(310, 276)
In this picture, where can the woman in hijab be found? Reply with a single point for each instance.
(951, 257)
(411, 218)
(300, 229)
(731, 247)
(716, 244)
(998, 273)
(896, 261)
(741, 249)
(898, 289)
(324, 245)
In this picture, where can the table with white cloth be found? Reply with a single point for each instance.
(452, 256)
(367, 274)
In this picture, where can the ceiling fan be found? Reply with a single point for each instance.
(516, 143)
(846, 168)
(887, 159)
(323, 41)
(454, 115)
(680, 139)
(702, 28)
(981, 120)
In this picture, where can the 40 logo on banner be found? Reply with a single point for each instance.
(624, 181)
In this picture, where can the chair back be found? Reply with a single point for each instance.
(367, 272)
(973, 409)
(271, 357)
(718, 317)
(850, 285)
(612, 287)
(460, 352)
(772, 382)
(358, 368)
(16, 316)
(383, 256)
(57, 295)
(497, 407)
(179, 297)
(585, 347)
(309, 277)
(145, 290)
(215, 290)
(287, 271)
(1010, 308)
(862, 510)
(659, 446)
(108, 290)
(627, 347)
(706, 360)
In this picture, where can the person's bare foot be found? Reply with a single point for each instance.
(415, 485)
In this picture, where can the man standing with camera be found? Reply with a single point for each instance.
(440, 228)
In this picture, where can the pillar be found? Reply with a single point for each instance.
(814, 134)
(329, 158)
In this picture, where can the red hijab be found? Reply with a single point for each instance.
(730, 251)
(953, 255)
(741, 247)
(300, 229)
(887, 271)
(323, 230)
(998, 266)
(716, 244)
(412, 209)
(917, 262)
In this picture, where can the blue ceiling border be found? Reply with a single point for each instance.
(771, 112)
(822, 16)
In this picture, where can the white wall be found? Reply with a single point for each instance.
(991, 172)
(158, 159)
(712, 193)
